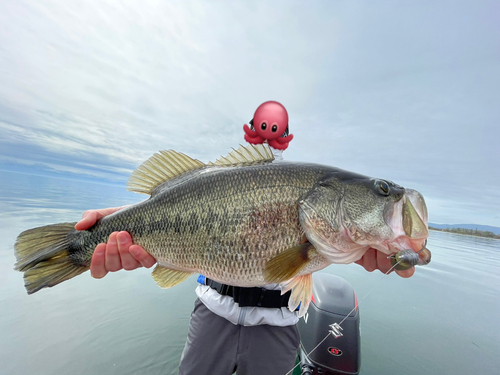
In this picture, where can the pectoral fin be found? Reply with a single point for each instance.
(167, 278)
(289, 263)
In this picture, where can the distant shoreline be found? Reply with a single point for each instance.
(469, 232)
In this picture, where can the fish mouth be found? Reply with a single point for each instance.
(409, 221)
(414, 222)
(408, 217)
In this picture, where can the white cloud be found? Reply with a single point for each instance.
(407, 92)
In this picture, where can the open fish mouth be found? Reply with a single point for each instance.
(414, 222)
(409, 220)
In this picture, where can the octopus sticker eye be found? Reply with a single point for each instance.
(263, 126)
(274, 128)
(384, 188)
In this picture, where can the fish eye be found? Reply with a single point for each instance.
(384, 188)
(274, 128)
(263, 126)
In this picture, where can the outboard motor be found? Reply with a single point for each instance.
(334, 301)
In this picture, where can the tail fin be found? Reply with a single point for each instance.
(42, 254)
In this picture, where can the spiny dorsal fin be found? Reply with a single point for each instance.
(246, 155)
(159, 168)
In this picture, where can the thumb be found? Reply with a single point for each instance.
(87, 221)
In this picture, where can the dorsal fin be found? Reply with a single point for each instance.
(246, 155)
(160, 167)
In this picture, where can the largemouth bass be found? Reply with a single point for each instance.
(243, 221)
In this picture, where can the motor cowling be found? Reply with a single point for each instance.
(334, 301)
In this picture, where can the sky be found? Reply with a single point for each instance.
(406, 91)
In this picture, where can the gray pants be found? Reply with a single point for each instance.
(216, 346)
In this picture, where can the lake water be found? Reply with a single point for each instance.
(443, 320)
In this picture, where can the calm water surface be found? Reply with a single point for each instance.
(443, 320)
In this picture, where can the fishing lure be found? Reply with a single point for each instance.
(407, 258)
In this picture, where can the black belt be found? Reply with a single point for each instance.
(251, 296)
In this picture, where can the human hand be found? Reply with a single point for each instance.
(119, 252)
(90, 217)
(377, 260)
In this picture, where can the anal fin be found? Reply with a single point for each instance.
(167, 277)
(289, 263)
(301, 287)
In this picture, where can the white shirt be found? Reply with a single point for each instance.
(225, 307)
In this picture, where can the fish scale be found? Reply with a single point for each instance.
(194, 227)
(242, 221)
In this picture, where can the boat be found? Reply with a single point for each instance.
(330, 340)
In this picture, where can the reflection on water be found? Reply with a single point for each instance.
(440, 321)
(123, 324)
